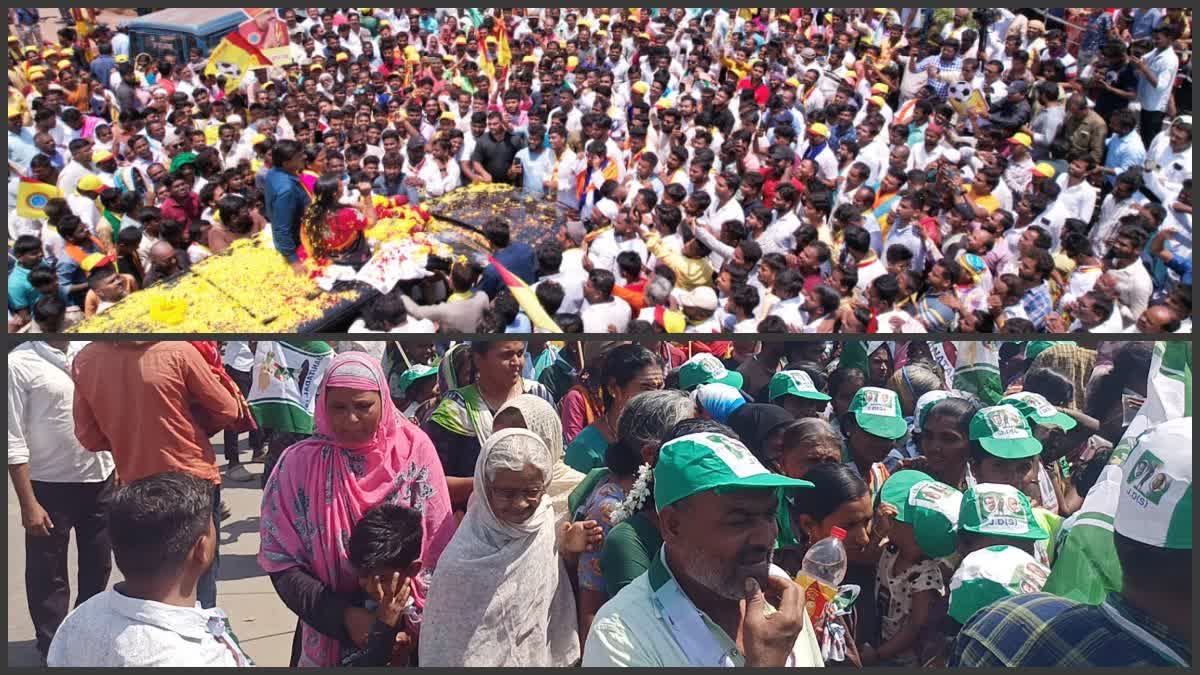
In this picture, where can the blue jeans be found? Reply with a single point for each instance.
(206, 587)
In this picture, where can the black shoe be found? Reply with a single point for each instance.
(225, 512)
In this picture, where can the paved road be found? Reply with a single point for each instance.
(260, 620)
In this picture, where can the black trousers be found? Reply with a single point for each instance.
(82, 507)
(242, 380)
(1150, 125)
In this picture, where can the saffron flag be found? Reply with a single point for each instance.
(526, 298)
(233, 58)
(504, 55)
(32, 196)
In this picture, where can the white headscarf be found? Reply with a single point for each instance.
(500, 596)
(542, 419)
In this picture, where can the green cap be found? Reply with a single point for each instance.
(877, 411)
(1000, 511)
(417, 372)
(706, 369)
(794, 383)
(930, 507)
(701, 462)
(1155, 506)
(925, 404)
(991, 574)
(1004, 433)
(1038, 410)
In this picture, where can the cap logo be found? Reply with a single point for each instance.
(1006, 423)
(1029, 578)
(733, 455)
(878, 402)
(1147, 482)
(1002, 513)
(711, 366)
(929, 494)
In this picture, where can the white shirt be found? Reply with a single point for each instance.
(1111, 212)
(1079, 200)
(437, 184)
(605, 248)
(572, 285)
(238, 356)
(791, 311)
(911, 325)
(41, 420)
(597, 318)
(1164, 63)
(115, 630)
(1167, 169)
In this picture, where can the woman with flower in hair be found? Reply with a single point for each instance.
(332, 230)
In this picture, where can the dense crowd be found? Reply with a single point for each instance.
(502, 503)
(810, 170)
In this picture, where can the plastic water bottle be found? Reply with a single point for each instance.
(821, 573)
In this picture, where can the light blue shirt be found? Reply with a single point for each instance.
(1144, 22)
(1164, 64)
(21, 150)
(1124, 152)
(907, 237)
(535, 169)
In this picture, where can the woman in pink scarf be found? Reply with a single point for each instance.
(323, 485)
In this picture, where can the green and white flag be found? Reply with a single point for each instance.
(977, 370)
(283, 385)
(1085, 564)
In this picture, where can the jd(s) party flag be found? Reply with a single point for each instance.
(233, 58)
(32, 196)
(526, 298)
(504, 53)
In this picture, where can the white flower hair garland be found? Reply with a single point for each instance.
(637, 495)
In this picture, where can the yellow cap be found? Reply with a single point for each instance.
(880, 88)
(601, 33)
(572, 62)
(37, 75)
(68, 52)
(12, 37)
(881, 10)
(63, 64)
(101, 156)
(641, 87)
(460, 40)
(605, 18)
(121, 58)
(316, 66)
(818, 129)
(785, 18)
(31, 49)
(48, 52)
(258, 138)
(342, 56)
(1044, 169)
(491, 39)
(877, 100)
(644, 36)
(792, 82)
(868, 40)
(1021, 138)
(529, 59)
(447, 57)
(89, 182)
(447, 115)
(14, 109)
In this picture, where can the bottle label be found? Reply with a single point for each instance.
(817, 594)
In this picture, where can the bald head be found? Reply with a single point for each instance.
(162, 255)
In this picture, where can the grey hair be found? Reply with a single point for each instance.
(658, 291)
(515, 450)
(650, 416)
(810, 432)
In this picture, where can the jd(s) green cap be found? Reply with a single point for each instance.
(417, 372)
(1155, 506)
(999, 510)
(706, 369)
(794, 383)
(877, 411)
(930, 507)
(992, 574)
(1004, 433)
(1038, 410)
(701, 462)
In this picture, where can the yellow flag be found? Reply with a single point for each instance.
(233, 58)
(32, 196)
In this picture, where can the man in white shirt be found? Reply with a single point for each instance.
(60, 487)
(881, 296)
(1125, 199)
(167, 540)
(602, 252)
(601, 311)
(704, 586)
(1077, 197)
(553, 265)
(1126, 278)
(1156, 80)
(1169, 160)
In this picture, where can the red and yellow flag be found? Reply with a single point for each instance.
(233, 58)
(503, 54)
(485, 63)
(526, 298)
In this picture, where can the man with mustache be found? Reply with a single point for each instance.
(702, 602)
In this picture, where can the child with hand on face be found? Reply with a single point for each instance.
(919, 515)
(385, 549)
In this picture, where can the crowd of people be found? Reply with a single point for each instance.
(507, 503)
(825, 170)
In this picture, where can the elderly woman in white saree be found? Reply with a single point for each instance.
(535, 414)
(501, 595)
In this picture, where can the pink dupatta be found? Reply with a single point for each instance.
(320, 489)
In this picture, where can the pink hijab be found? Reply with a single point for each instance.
(320, 489)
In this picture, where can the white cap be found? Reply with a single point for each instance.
(607, 208)
(952, 155)
(701, 297)
(233, 119)
(1155, 506)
